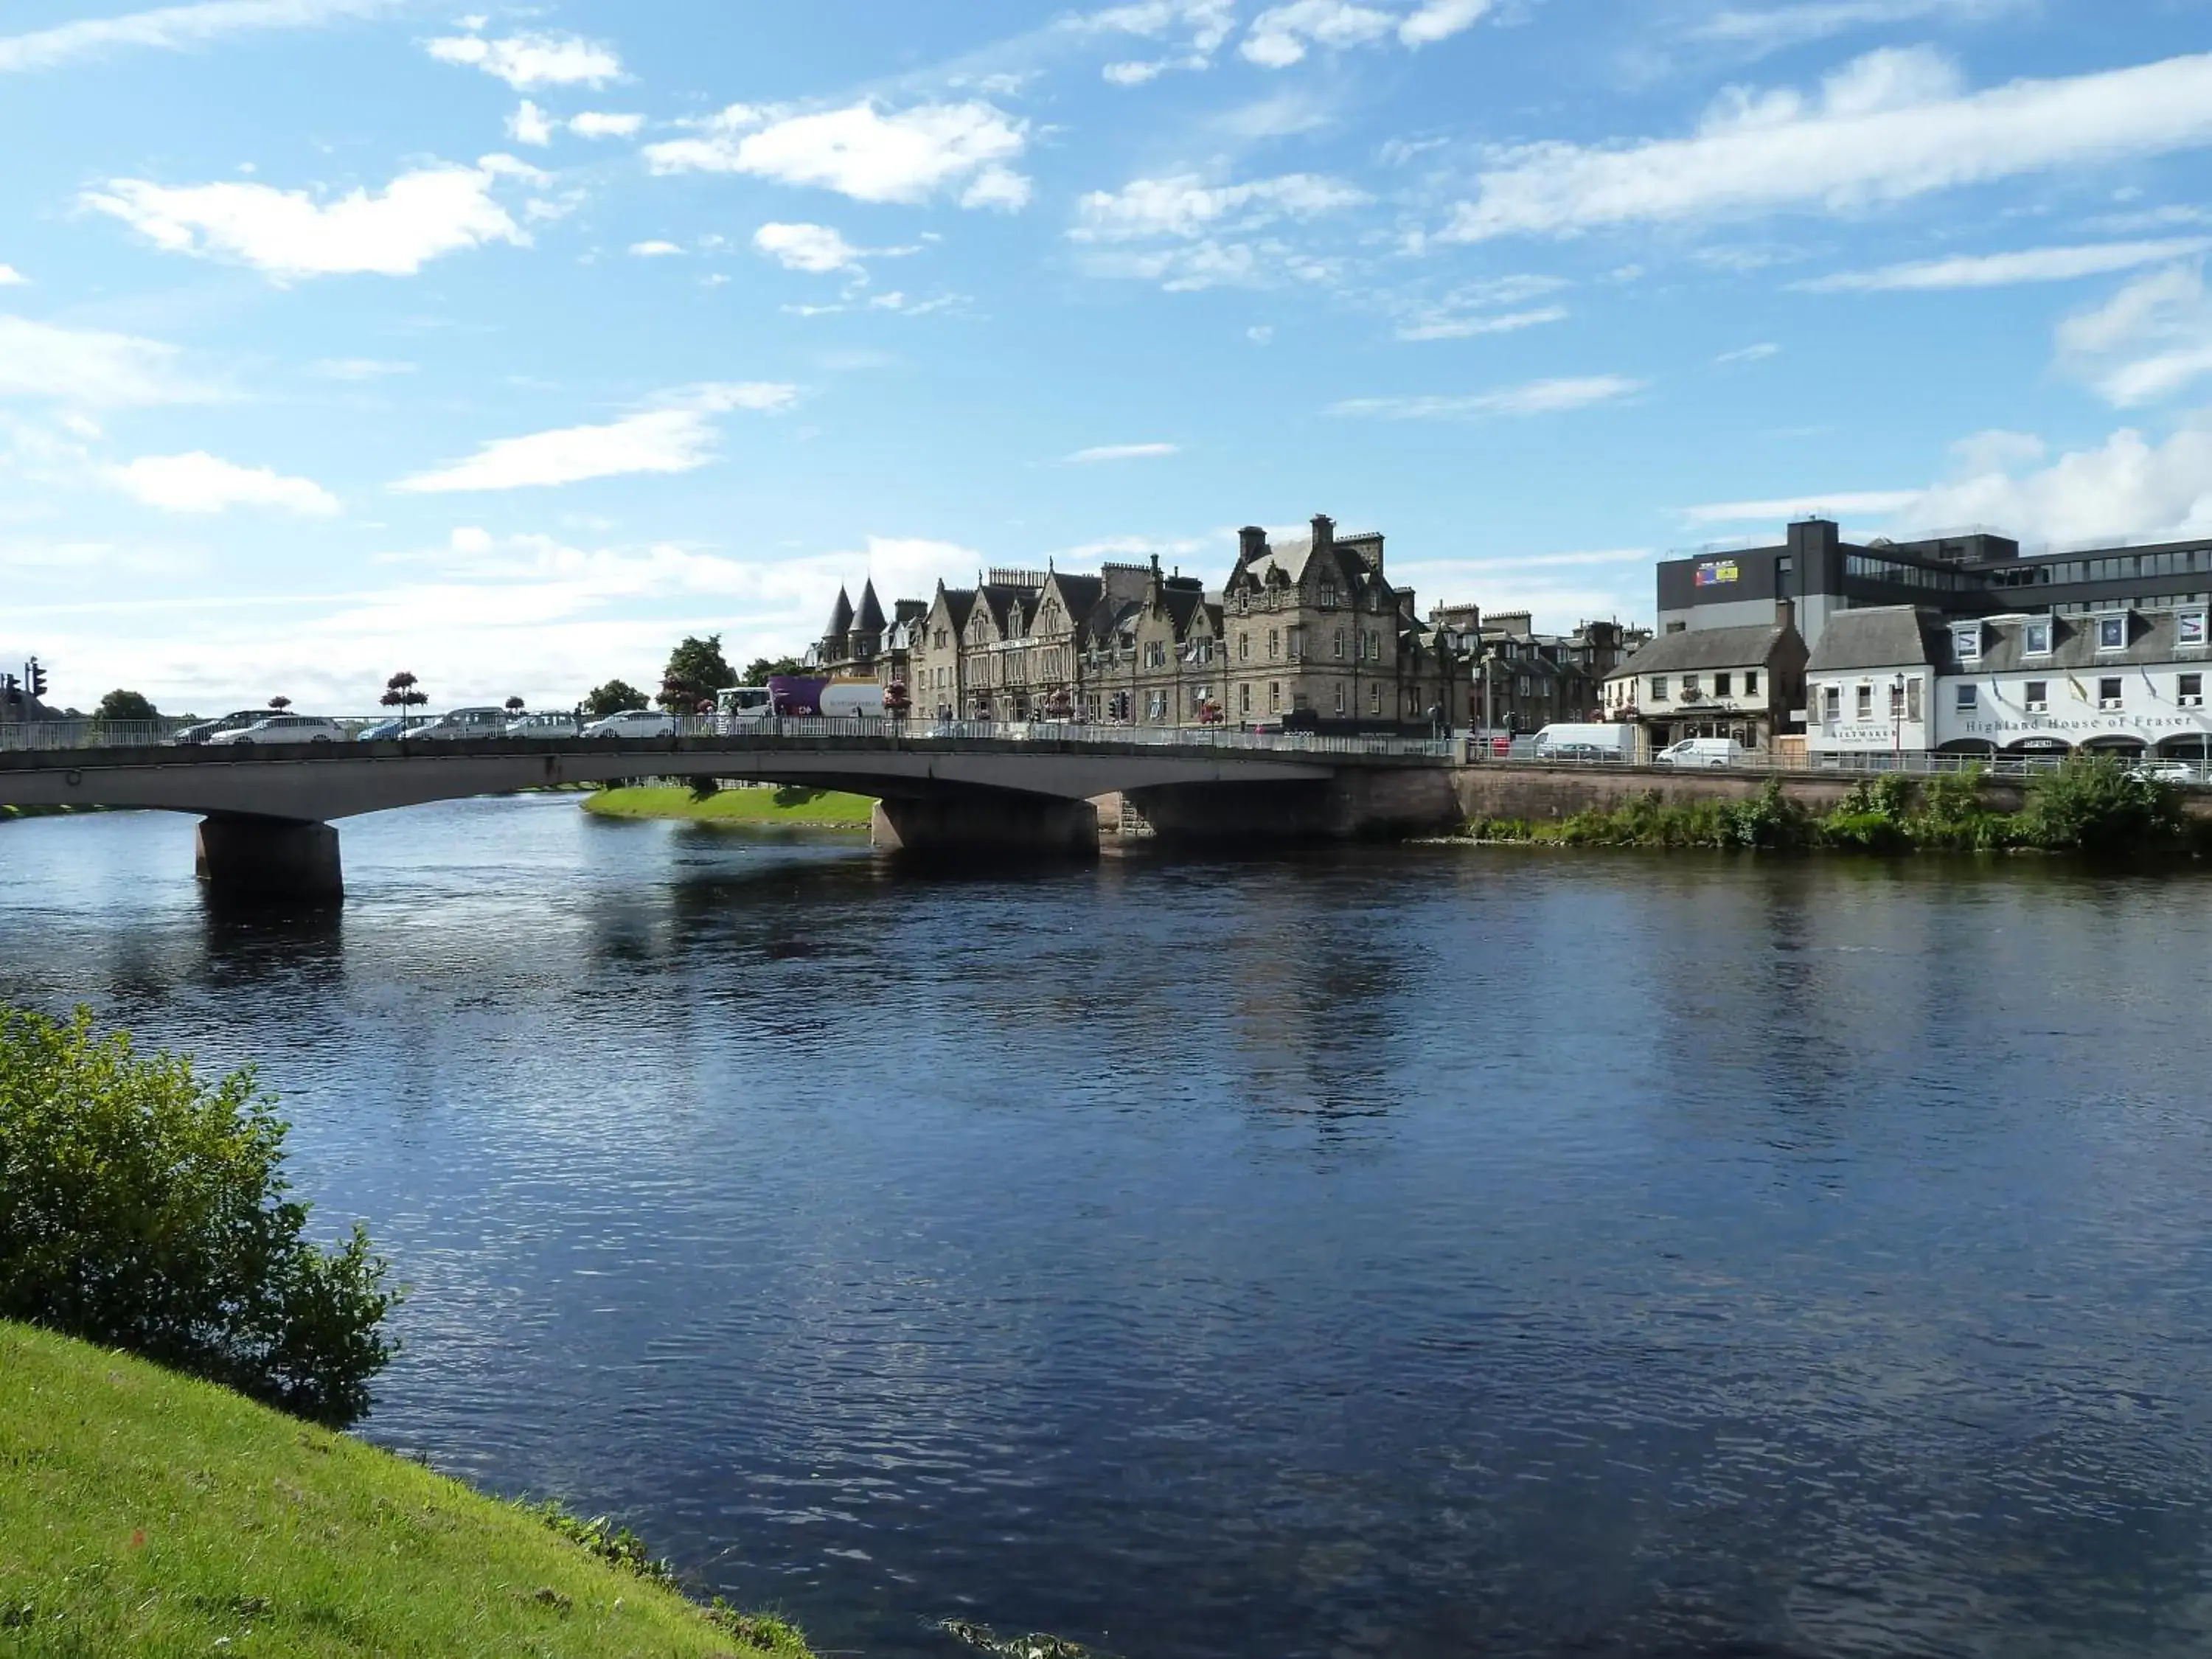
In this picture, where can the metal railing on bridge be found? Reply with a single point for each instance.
(1524, 751)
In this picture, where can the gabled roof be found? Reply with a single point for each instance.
(870, 617)
(959, 602)
(1695, 649)
(1010, 607)
(1079, 594)
(841, 617)
(1879, 637)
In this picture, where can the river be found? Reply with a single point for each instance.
(1415, 1252)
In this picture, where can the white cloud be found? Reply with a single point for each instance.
(815, 248)
(1882, 130)
(655, 249)
(1121, 452)
(172, 28)
(1464, 328)
(2148, 341)
(530, 124)
(676, 438)
(2040, 264)
(11, 277)
(1186, 205)
(2127, 487)
(358, 368)
(1537, 398)
(1211, 262)
(1816, 19)
(908, 156)
(201, 483)
(1279, 36)
(533, 60)
(91, 368)
(1750, 354)
(1198, 29)
(1875, 502)
(393, 231)
(599, 124)
(1439, 20)
(1260, 334)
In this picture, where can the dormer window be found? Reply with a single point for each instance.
(2035, 639)
(2189, 629)
(2113, 633)
(1966, 643)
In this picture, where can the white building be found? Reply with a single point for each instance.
(1905, 681)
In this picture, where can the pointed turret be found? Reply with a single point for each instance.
(841, 617)
(870, 618)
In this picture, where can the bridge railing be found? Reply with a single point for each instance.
(1523, 751)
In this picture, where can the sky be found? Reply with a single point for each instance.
(507, 347)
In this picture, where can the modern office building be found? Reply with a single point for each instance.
(1962, 576)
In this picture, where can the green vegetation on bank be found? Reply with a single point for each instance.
(144, 1513)
(2092, 805)
(790, 808)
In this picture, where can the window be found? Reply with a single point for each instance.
(1244, 646)
(2189, 691)
(1338, 652)
(2108, 692)
(1296, 638)
(2113, 633)
(1966, 643)
(1831, 704)
(2036, 638)
(1720, 685)
(2039, 696)
(1275, 643)
(1339, 693)
(1689, 685)
(2189, 629)
(1274, 697)
(1328, 598)
(1913, 698)
(1658, 688)
(1865, 708)
(1205, 651)
(1520, 689)
(1751, 675)
(1969, 699)
(1245, 699)
(1896, 701)
(1374, 699)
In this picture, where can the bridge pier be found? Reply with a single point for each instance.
(257, 859)
(985, 825)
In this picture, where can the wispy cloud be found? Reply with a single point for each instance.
(11, 277)
(92, 368)
(174, 28)
(201, 483)
(1120, 452)
(865, 152)
(1771, 29)
(358, 368)
(1536, 398)
(1889, 127)
(1867, 502)
(524, 61)
(2149, 342)
(2040, 264)
(676, 437)
(1750, 354)
(1282, 35)
(1462, 328)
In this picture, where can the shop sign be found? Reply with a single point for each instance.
(1714, 571)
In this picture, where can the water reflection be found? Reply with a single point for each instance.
(1390, 1253)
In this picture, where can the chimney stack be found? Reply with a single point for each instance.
(1324, 532)
(1251, 543)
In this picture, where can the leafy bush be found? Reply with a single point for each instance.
(1770, 821)
(1953, 814)
(145, 1209)
(2092, 805)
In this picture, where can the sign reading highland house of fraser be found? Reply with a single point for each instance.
(1713, 572)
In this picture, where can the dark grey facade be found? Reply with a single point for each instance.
(1963, 576)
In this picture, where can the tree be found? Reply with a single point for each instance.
(764, 668)
(146, 1208)
(514, 705)
(280, 704)
(403, 692)
(696, 670)
(121, 706)
(613, 698)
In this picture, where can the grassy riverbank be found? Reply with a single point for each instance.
(790, 809)
(146, 1513)
(2094, 807)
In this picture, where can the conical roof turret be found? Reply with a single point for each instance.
(870, 619)
(841, 617)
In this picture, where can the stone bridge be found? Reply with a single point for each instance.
(267, 811)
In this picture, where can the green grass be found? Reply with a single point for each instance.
(145, 1513)
(825, 809)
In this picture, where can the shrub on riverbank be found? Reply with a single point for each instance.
(2092, 805)
(144, 1208)
(142, 1512)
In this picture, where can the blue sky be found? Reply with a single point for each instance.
(338, 336)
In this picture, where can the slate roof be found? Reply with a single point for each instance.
(841, 617)
(2152, 639)
(1880, 636)
(1080, 594)
(1695, 649)
(1011, 607)
(870, 616)
(959, 602)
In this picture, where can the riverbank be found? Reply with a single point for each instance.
(143, 1512)
(785, 809)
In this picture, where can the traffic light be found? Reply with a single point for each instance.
(38, 678)
(11, 690)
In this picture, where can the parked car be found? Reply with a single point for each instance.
(207, 729)
(2164, 771)
(459, 723)
(281, 728)
(381, 731)
(632, 723)
(1702, 751)
(543, 726)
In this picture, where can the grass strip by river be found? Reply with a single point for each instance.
(736, 808)
(142, 1511)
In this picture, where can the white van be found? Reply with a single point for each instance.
(1702, 751)
(1612, 744)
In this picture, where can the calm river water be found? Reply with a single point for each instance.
(1429, 1252)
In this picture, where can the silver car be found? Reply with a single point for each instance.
(281, 728)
